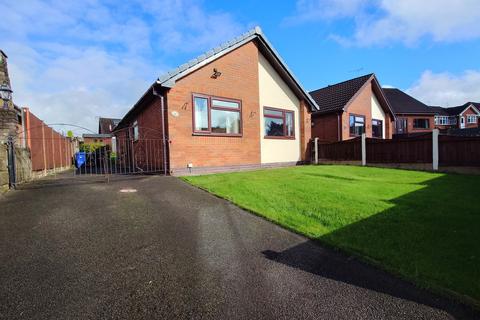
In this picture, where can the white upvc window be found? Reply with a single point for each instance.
(135, 130)
(471, 118)
(441, 120)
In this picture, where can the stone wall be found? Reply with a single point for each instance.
(8, 124)
(23, 166)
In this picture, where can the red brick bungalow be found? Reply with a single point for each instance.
(236, 106)
(466, 116)
(350, 108)
(104, 135)
(412, 116)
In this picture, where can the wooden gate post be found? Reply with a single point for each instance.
(435, 149)
(364, 150)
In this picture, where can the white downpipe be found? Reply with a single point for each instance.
(316, 150)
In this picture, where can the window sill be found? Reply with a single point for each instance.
(278, 138)
(206, 134)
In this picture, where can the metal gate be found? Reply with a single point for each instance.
(121, 155)
(52, 155)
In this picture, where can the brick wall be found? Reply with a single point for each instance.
(104, 141)
(146, 152)
(305, 131)
(239, 80)
(361, 105)
(48, 148)
(410, 118)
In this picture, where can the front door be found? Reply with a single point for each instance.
(462, 122)
(401, 125)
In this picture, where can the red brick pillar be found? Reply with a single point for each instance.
(305, 131)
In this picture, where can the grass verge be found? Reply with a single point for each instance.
(422, 226)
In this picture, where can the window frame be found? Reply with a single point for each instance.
(284, 118)
(472, 116)
(209, 110)
(381, 128)
(421, 128)
(135, 126)
(364, 124)
(442, 120)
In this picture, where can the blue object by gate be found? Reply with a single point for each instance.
(80, 158)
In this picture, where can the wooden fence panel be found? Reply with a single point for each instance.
(459, 151)
(411, 150)
(452, 150)
(348, 150)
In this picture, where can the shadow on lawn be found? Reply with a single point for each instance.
(416, 236)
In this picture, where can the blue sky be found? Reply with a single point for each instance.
(71, 61)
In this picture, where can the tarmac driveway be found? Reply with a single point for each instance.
(88, 251)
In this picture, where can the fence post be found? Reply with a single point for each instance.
(435, 149)
(316, 150)
(364, 149)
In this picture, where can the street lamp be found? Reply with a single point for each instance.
(5, 94)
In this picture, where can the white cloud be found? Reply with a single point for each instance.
(72, 61)
(311, 10)
(446, 89)
(407, 21)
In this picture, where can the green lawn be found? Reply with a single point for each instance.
(422, 226)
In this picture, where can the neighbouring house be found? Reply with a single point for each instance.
(350, 108)
(466, 116)
(412, 116)
(236, 106)
(97, 138)
(105, 132)
(107, 125)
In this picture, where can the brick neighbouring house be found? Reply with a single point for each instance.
(107, 125)
(236, 106)
(412, 116)
(350, 108)
(466, 116)
(105, 132)
(97, 138)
